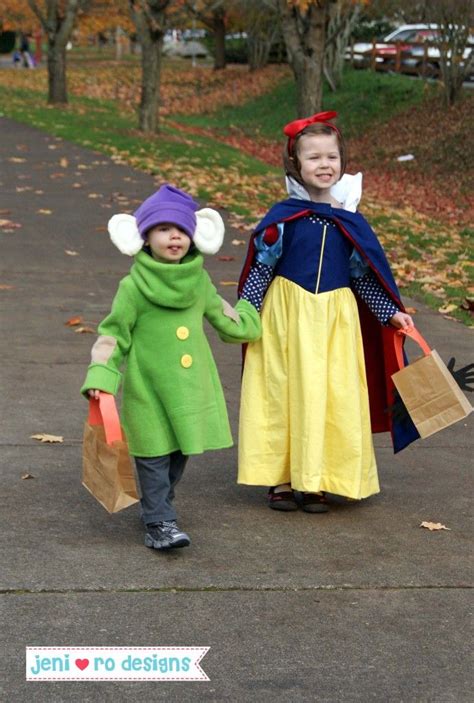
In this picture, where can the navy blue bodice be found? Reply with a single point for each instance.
(300, 259)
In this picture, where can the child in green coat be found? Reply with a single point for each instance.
(173, 404)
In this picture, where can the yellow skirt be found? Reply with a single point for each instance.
(304, 415)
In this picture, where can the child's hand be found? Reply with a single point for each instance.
(401, 320)
(93, 394)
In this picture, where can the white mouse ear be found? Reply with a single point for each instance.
(210, 229)
(124, 234)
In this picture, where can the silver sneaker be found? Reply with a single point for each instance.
(155, 538)
(173, 535)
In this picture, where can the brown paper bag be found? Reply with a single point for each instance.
(107, 469)
(427, 388)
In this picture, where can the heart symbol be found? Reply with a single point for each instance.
(82, 664)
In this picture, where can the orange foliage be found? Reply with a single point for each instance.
(16, 15)
(184, 89)
(105, 15)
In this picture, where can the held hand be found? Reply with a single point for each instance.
(93, 393)
(401, 320)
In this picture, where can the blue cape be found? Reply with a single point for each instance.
(379, 349)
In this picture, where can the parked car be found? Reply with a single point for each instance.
(405, 33)
(425, 62)
(411, 53)
(415, 58)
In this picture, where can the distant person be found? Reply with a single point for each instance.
(27, 59)
(173, 404)
(17, 59)
(328, 296)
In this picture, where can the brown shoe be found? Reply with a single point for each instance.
(314, 503)
(285, 500)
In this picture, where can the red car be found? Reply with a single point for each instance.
(386, 54)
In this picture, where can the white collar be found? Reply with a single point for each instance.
(347, 191)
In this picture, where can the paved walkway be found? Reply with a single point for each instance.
(356, 605)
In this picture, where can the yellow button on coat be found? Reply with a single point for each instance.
(182, 333)
(186, 360)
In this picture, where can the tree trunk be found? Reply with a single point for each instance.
(260, 39)
(454, 20)
(258, 49)
(57, 92)
(151, 76)
(149, 20)
(58, 27)
(118, 43)
(309, 85)
(304, 33)
(215, 20)
(341, 24)
(219, 39)
(452, 78)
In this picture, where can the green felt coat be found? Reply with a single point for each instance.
(172, 395)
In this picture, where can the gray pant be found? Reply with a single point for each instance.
(158, 476)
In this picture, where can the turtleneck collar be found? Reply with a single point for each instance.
(168, 285)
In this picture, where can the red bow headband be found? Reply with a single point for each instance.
(292, 129)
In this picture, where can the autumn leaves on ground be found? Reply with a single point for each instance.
(220, 139)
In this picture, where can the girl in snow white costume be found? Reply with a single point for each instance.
(318, 382)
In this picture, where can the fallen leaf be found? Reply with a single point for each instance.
(238, 242)
(63, 162)
(101, 228)
(5, 211)
(94, 195)
(85, 330)
(410, 310)
(43, 211)
(43, 437)
(447, 308)
(16, 160)
(5, 286)
(25, 476)
(226, 258)
(73, 321)
(229, 283)
(434, 526)
(71, 252)
(8, 225)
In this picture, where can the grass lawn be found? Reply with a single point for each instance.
(373, 98)
(432, 260)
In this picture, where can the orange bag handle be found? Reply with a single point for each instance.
(413, 333)
(104, 412)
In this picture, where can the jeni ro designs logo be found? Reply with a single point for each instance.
(115, 664)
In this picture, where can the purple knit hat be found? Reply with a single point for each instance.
(168, 204)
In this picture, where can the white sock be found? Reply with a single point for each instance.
(282, 488)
